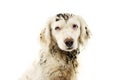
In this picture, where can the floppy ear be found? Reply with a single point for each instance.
(84, 32)
(45, 35)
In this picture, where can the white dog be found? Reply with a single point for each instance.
(61, 40)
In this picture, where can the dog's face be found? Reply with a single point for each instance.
(68, 31)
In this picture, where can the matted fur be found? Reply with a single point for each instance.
(56, 62)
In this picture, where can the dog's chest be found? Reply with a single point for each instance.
(58, 67)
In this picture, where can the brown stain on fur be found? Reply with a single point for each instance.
(64, 63)
(66, 71)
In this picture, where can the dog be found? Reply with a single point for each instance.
(61, 40)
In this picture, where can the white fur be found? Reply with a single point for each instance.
(51, 64)
(66, 31)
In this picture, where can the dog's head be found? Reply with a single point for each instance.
(68, 31)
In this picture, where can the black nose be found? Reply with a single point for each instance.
(69, 42)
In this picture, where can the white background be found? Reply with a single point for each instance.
(20, 23)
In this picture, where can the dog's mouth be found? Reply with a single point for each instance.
(66, 48)
(69, 48)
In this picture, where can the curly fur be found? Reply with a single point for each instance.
(55, 63)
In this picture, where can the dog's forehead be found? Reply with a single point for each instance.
(64, 19)
(64, 16)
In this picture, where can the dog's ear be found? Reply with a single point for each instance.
(84, 32)
(45, 35)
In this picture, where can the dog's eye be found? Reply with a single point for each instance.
(75, 26)
(57, 28)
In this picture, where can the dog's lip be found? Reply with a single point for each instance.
(70, 48)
